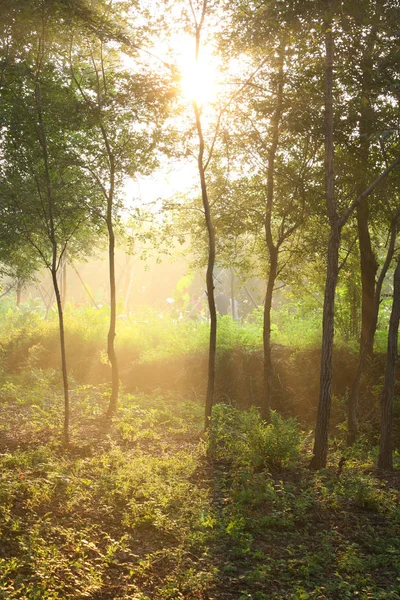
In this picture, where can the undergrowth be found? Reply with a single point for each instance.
(146, 508)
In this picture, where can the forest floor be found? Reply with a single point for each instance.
(145, 508)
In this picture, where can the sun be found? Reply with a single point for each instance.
(199, 78)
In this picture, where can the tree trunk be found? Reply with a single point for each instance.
(266, 405)
(63, 356)
(352, 423)
(54, 263)
(369, 267)
(209, 275)
(321, 431)
(385, 460)
(202, 166)
(324, 408)
(368, 262)
(112, 357)
(320, 451)
(271, 246)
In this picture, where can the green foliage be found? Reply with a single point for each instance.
(243, 437)
(139, 508)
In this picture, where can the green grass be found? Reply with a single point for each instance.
(146, 508)
(147, 336)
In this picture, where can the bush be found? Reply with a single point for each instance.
(245, 439)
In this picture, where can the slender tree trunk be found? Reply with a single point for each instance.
(202, 166)
(368, 262)
(54, 244)
(352, 422)
(385, 460)
(210, 270)
(63, 356)
(112, 357)
(369, 267)
(324, 408)
(271, 246)
(273, 267)
(320, 451)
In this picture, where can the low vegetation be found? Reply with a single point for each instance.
(147, 507)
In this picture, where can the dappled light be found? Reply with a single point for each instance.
(199, 300)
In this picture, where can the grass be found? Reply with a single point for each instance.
(145, 508)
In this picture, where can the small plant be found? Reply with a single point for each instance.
(244, 438)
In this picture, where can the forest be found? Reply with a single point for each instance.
(199, 299)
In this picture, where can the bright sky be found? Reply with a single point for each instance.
(163, 184)
(199, 83)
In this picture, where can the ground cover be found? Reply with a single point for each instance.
(146, 508)
(158, 351)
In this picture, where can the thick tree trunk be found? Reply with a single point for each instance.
(385, 460)
(63, 356)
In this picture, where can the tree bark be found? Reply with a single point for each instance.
(320, 451)
(369, 268)
(63, 355)
(271, 246)
(54, 260)
(352, 422)
(368, 262)
(112, 357)
(273, 268)
(210, 270)
(202, 166)
(385, 460)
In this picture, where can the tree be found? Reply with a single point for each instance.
(124, 111)
(385, 460)
(44, 194)
(336, 224)
(367, 343)
(202, 164)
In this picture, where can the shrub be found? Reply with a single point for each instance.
(244, 438)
